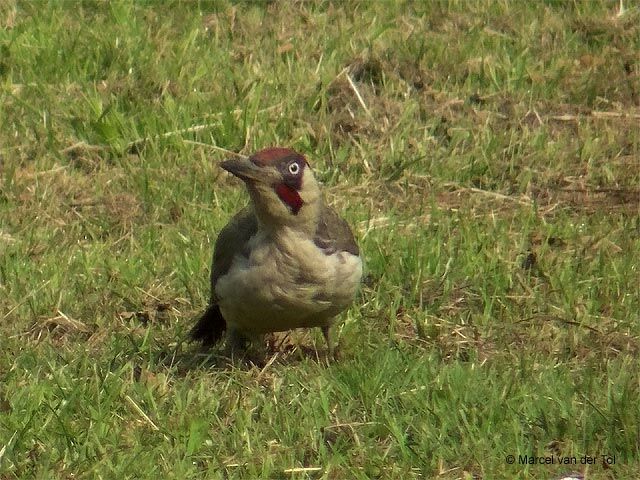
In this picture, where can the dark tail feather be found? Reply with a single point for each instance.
(210, 327)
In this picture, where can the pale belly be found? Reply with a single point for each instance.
(287, 287)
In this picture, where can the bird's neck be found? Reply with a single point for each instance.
(304, 223)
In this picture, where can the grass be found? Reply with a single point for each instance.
(487, 155)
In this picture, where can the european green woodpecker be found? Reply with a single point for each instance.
(285, 261)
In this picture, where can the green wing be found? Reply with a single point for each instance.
(334, 234)
(233, 239)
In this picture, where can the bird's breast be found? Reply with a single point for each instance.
(284, 282)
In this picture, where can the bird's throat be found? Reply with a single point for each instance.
(290, 197)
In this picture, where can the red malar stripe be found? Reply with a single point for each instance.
(290, 197)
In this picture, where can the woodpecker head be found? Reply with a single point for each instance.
(282, 187)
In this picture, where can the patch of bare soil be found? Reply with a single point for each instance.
(575, 193)
(568, 339)
(357, 101)
(60, 328)
(62, 196)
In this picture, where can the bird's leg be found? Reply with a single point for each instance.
(327, 338)
(248, 347)
(236, 343)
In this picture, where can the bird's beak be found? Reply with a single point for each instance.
(243, 168)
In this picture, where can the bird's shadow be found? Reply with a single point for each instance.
(185, 356)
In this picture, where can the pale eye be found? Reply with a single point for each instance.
(294, 168)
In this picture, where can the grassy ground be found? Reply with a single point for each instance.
(487, 155)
